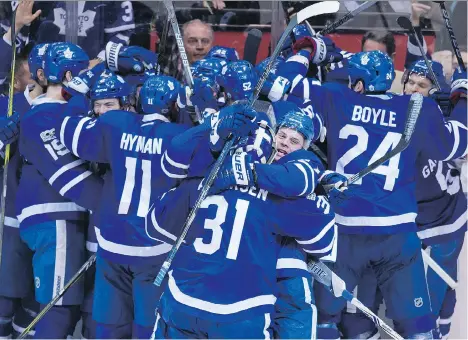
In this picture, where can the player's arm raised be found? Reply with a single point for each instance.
(448, 139)
(82, 135)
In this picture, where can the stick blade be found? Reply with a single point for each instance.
(252, 45)
(324, 7)
(404, 23)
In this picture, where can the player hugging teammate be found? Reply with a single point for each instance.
(152, 208)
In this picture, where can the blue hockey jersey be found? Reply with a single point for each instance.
(227, 269)
(360, 130)
(133, 146)
(98, 23)
(21, 104)
(295, 174)
(292, 253)
(63, 186)
(442, 205)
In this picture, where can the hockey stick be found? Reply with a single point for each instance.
(337, 286)
(252, 44)
(79, 274)
(9, 113)
(406, 24)
(180, 44)
(348, 16)
(439, 270)
(412, 115)
(310, 11)
(453, 40)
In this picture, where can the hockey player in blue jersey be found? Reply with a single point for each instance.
(53, 220)
(441, 220)
(24, 17)
(132, 145)
(17, 303)
(208, 295)
(442, 205)
(375, 209)
(295, 311)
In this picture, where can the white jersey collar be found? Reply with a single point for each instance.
(155, 116)
(42, 99)
(27, 96)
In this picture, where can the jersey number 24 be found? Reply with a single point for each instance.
(390, 171)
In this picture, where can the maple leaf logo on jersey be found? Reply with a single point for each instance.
(85, 19)
(365, 59)
(171, 85)
(68, 53)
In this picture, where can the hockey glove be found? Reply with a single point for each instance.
(84, 82)
(235, 119)
(339, 192)
(320, 130)
(299, 32)
(443, 99)
(459, 86)
(9, 129)
(132, 59)
(236, 170)
(323, 52)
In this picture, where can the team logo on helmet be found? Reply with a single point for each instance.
(171, 85)
(68, 54)
(418, 302)
(365, 59)
(43, 49)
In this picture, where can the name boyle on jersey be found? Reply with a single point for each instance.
(375, 116)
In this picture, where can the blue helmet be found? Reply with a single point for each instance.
(109, 86)
(272, 76)
(374, 68)
(158, 95)
(298, 32)
(209, 67)
(419, 67)
(238, 80)
(228, 54)
(261, 146)
(63, 57)
(289, 115)
(35, 59)
(138, 79)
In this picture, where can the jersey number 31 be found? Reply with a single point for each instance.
(215, 226)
